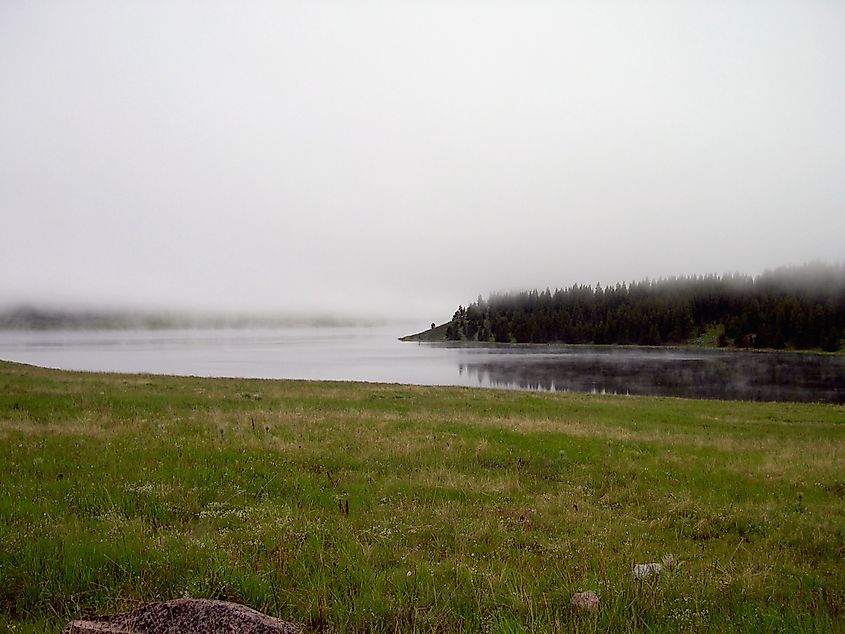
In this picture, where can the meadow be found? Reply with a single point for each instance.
(355, 507)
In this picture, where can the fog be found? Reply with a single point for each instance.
(395, 159)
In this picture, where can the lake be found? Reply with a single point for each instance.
(375, 354)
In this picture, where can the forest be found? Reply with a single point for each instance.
(799, 308)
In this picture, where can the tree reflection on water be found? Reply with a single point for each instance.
(692, 374)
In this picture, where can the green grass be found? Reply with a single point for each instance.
(469, 510)
(709, 338)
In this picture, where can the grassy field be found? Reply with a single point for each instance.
(468, 509)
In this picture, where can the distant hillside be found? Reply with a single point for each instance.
(37, 318)
(790, 308)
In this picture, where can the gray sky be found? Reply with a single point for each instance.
(399, 158)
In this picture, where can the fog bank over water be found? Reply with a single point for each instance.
(397, 159)
(66, 318)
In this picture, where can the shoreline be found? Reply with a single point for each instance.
(516, 388)
(417, 338)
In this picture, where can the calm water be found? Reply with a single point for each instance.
(375, 354)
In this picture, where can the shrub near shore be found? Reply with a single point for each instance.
(365, 507)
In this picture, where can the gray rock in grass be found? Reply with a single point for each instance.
(183, 616)
(644, 571)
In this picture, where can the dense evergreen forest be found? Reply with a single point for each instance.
(789, 308)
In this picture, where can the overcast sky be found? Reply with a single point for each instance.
(399, 158)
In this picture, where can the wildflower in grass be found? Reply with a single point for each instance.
(670, 562)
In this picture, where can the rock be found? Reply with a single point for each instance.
(587, 601)
(183, 616)
(644, 571)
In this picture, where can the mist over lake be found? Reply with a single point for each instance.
(374, 354)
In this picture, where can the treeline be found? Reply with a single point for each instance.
(798, 307)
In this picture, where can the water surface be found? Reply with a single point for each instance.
(375, 354)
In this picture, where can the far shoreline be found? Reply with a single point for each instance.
(432, 336)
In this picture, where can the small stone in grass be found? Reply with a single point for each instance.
(644, 571)
(587, 601)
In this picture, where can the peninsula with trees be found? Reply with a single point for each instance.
(795, 308)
